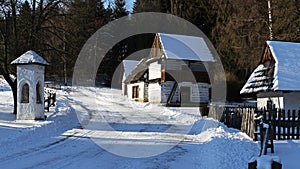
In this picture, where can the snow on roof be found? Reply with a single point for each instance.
(137, 71)
(175, 47)
(30, 57)
(286, 70)
(287, 66)
(129, 65)
(256, 82)
(185, 47)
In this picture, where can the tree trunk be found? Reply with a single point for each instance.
(33, 26)
(15, 31)
(14, 90)
(4, 68)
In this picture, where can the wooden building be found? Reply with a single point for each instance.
(174, 73)
(276, 80)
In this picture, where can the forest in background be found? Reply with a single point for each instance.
(57, 30)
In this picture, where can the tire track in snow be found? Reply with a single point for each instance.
(33, 150)
(75, 138)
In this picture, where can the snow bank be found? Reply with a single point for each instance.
(59, 142)
(3, 84)
(22, 135)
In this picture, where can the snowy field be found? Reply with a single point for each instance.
(99, 128)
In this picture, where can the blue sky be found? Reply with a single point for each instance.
(129, 4)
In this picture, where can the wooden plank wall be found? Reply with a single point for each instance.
(166, 91)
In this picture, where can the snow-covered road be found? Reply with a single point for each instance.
(113, 132)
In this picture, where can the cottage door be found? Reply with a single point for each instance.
(185, 94)
(135, 92)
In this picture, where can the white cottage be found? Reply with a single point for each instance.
(174, 73)
(135, 83)
(30, 86)
(276, 80)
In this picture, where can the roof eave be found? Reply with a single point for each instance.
(31, 63)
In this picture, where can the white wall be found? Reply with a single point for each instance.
(129, 91)
(154, 70)
(154, 93)
(30, 74)
(124, 85)
(287, 101)
(141, 86)
(124, 89)
(278, 101)
(276, 98)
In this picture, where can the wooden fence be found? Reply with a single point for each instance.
(49, 100)
(286, 123)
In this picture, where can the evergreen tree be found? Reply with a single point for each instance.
(286, 20)
(238, 29)
(119, 9)
(24, 20)
(109, 13)
(147, 6)
(85, 18)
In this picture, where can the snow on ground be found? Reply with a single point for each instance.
(289, 153)
(3, 85)
(117, 133)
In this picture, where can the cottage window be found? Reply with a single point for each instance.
(25, 93)
(38, 93)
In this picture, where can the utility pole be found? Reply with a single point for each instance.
(270, 19)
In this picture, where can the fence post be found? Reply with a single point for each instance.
(293, 124)
(279, 124)
(274, 123)
(283, 124)
(298, 125)
(53, 99)
(252, 123)
(245, 123)
(288, 125)
(248, 123)
(270, 115)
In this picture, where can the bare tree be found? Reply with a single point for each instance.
(42, 31)
(4, 65)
